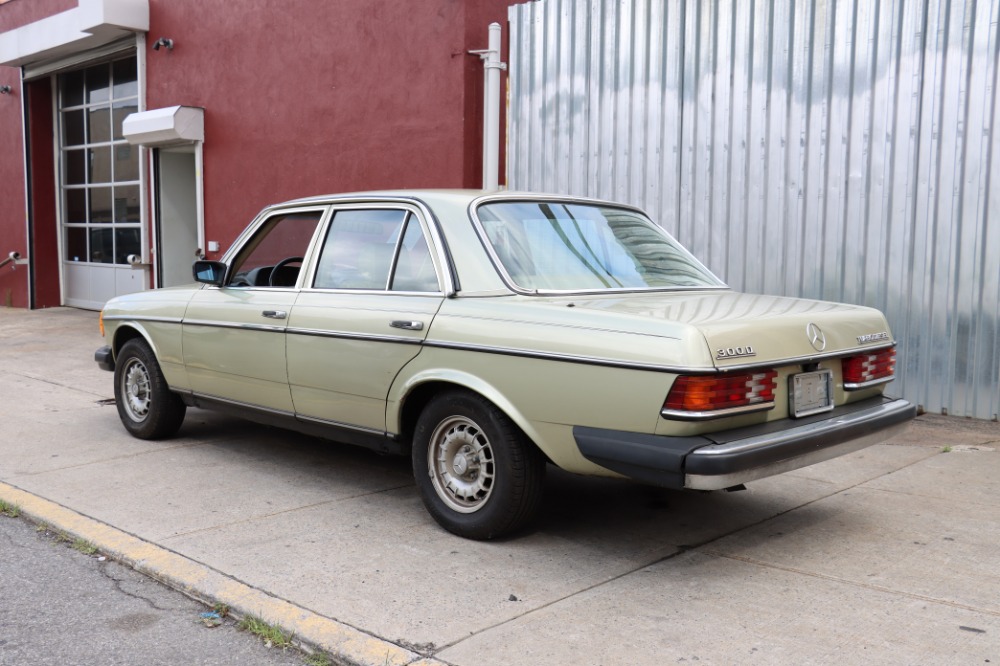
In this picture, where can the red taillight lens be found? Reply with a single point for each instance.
(866, 368)
(694, 393)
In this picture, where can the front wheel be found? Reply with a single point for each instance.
(146, 405)
(477, 473)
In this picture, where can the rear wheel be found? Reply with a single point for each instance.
(146, 405)
(477, 473)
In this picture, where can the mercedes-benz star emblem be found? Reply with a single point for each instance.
(816, 337)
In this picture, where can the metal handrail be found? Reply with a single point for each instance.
(12, 257)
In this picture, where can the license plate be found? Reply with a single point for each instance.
(810, 393)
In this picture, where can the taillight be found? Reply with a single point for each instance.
(709, 396)
(869, 369)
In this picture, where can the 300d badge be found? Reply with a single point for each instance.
(735, 352)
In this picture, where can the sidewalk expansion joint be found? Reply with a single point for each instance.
(853, 583)
(54, 383)
(312, 631)
(279, 512)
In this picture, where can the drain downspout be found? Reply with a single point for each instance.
(491, 108)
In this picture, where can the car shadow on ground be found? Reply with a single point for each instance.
(600, 513)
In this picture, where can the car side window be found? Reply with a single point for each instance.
(273, 256)
(364, 246)
(414, 266)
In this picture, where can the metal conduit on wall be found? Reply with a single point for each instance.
(843, 149)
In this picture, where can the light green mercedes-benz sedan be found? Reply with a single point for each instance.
(487, 335)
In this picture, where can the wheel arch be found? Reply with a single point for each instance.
(131, 331)
(422, 388)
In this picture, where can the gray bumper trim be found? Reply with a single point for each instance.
(729, 458)
(105, 358)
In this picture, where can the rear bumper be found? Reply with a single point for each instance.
(729, 458)
(105, 358)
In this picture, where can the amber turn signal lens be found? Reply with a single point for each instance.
(705, 393)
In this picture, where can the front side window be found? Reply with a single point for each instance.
(274, 255)
(554, 246)
(376, 249)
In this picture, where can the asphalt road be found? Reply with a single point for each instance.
(61, 606)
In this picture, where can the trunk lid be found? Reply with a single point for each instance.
(744, 329)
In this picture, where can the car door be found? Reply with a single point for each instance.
(371, 299)
(234, 335)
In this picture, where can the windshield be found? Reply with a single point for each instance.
(551, 246)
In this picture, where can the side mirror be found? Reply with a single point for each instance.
(209, 272)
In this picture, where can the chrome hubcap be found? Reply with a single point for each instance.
(460, 463)
(136, 396)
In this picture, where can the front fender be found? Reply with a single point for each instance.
(164, 339)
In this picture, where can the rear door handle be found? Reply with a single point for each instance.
(407, 325)
(274, 314)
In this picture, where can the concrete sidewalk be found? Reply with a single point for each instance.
(889, 555)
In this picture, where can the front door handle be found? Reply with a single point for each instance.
(407, 325)
(274, 314)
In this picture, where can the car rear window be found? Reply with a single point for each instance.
(558, 246)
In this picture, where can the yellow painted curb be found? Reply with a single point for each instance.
(202, 582)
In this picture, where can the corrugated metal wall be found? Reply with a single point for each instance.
(835, 149)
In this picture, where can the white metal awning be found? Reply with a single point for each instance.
(91, 24)
(168, 126)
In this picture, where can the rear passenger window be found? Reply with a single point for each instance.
(377, 249)
(414, 267)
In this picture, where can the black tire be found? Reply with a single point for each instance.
(146, 405)
(478, 475)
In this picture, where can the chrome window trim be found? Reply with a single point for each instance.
(448, 280)
(254, 227)
(415, 208)
(262, 216)
(473, 212)
(361, 292)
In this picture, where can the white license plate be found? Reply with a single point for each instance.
(810, 393)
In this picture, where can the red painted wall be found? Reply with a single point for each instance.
(301, 97)
(15, 13)
(13, 230)
(309, 97)
(44, 248)
(13, 211)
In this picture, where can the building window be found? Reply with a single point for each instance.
(99, 185)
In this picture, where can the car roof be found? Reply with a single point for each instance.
(474, 267)
(450, 197)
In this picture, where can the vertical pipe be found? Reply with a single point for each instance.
(29, 237)
(491, 109)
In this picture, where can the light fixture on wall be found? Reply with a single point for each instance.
(164, 42)
(5, 90)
